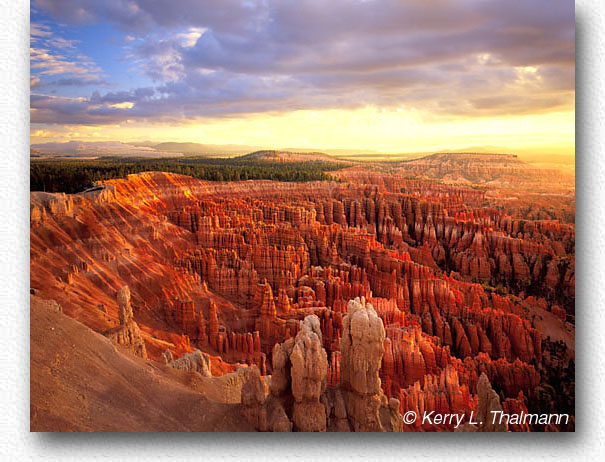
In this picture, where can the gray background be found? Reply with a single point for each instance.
(16, 441)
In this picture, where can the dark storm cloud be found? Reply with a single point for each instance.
(445, 57)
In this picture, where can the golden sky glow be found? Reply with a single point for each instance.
(381, 130)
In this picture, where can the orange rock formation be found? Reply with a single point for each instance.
(231, 269)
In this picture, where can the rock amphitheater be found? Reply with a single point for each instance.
(327, 306)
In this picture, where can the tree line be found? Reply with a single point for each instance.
(75, 175)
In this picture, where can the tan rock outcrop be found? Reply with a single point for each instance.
(309, 368)
(489, 403)
(362, 348)
(253, 401)
(196, 361)
(127, 333)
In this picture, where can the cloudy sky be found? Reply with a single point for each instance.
(386, 75)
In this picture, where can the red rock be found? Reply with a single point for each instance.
(231, 269)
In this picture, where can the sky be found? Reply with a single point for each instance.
(391, 76)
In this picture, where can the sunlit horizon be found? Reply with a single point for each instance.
(371, 130)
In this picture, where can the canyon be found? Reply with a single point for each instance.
(319, 306)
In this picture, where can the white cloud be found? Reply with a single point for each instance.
(190, 38)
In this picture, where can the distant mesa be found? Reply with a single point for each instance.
(473, 156)
(466, 160)
(287, 156)
(200, 149)
(84, 149)
(477, 168)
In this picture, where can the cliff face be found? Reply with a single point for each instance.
(231, 269)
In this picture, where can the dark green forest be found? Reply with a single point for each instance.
(72, 176)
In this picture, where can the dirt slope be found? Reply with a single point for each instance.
(80, 381)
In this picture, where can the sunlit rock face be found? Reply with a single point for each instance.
(458, 288)
(362, 348)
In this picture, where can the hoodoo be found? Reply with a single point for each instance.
(127, 333)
